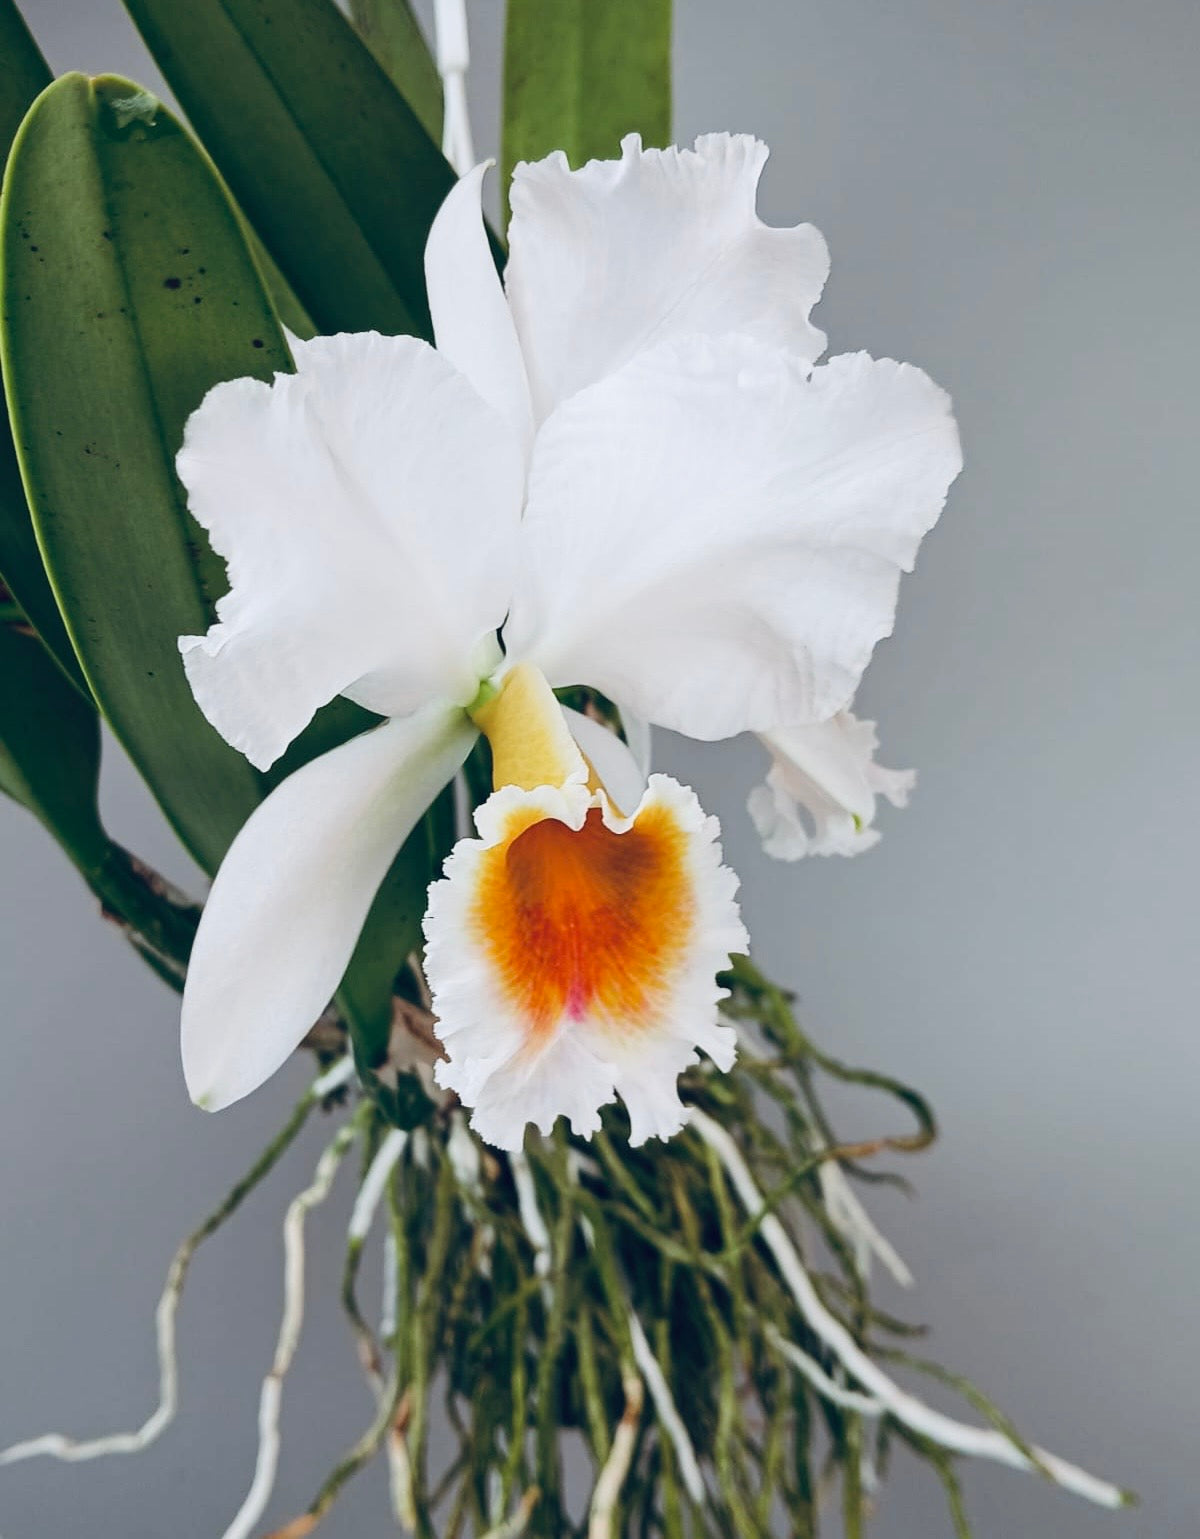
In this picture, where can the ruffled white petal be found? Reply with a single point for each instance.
(714, 536)
(472, 324)
(487, 957)
(624, 254)
(293, 891)
(819, 796)
(366, 507)
(619, 771)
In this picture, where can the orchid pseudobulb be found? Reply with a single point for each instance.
(621, 469)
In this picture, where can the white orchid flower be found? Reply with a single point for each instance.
(828, 770)
(621, 470)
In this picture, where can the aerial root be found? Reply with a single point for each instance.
(953, 1436)
(57, 1445)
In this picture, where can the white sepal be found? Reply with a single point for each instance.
(472, 324)
(819, 796)
(293, 891)
(625, 254)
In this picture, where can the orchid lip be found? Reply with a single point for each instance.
(572, 948)
(572, 955)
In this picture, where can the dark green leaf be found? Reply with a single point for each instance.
(128, 291)
(23, 71)
(141, 295)
(287, 307)
(330, 164)
(394, 36)
(50, 763)
(580, 74)
(49, 747)
(23, 74)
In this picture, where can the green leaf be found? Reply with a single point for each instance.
(127, 292)
(23, 74)
(49, 747)
(139, 296)
(287, 307)
(394, 36)
(50, 764)
(580, 74)
(330, 164)
(23, 71)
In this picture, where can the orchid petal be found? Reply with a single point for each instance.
(367, 507)
(472, 324)
(290, 898)
(714, 536)
(618, 770)
(640, 736)
(625, 254)
(824, 776)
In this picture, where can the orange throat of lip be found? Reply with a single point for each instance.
(587, 924)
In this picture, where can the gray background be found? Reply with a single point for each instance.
(1009, 192)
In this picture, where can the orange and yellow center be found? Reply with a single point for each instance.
(582, 923)
(587, 923)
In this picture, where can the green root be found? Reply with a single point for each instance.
(538, 1324)
(656, 1307)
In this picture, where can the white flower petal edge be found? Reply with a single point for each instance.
(618, 769)
(827, 772)
(293, 891)
(536, 1026)
(640, 736)
(624, 254)
(751, 518)
(472, 324)
(367, 507)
